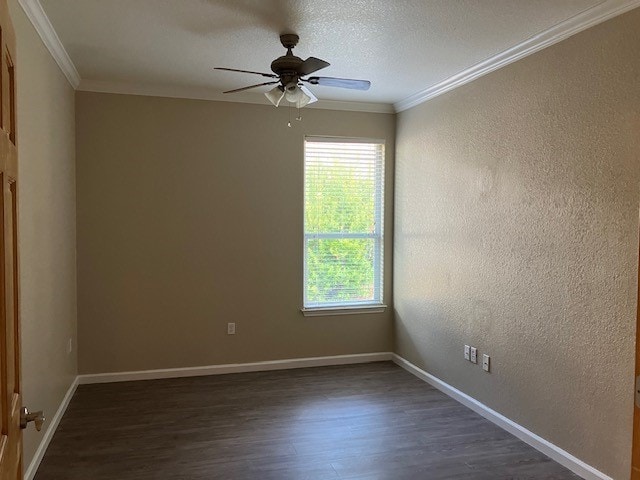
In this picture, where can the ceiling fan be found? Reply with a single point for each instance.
(291, 74)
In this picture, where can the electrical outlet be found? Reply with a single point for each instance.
(70, 346)
(467, 354)
(486, 362)
(474, 355)
(231, 328)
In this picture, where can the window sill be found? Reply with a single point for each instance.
(353, 310)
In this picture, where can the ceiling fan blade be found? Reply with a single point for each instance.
(310, 65)
(250, 87)
(308, 93)
(340, 82)
(268, 75)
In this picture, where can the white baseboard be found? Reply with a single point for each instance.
(51, 430)
(235, 368)
(554, 452)
(191, 372)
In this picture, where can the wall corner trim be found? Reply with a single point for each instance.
(234, 368)
(554, 452)
(38, 18)
(599, 13)
(52, 426)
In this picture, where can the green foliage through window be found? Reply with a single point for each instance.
(343, 222)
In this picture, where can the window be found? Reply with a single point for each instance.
(343, 223)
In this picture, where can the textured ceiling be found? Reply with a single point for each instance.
(402, 46)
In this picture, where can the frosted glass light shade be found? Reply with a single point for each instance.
(299, 96)
(275, 95)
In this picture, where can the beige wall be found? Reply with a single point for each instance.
(517, 208)
(47, 221)
(517, 232)
(189, 217)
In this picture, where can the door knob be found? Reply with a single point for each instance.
(36, 417)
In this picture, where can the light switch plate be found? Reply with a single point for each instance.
(486, 362)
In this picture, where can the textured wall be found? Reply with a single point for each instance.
(517, 232)
(189, 217)
(47, 225)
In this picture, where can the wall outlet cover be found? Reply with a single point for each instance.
(467, 352)
(474, 355)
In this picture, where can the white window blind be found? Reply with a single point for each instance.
(343, 222)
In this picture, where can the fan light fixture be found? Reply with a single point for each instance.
(300, 96)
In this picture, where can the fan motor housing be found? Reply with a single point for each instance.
(286, 64)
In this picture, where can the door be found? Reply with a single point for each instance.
(10, 387)
(635, 457)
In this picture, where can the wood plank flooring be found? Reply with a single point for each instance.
(366, 422)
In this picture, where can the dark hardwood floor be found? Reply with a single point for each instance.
(372, 421)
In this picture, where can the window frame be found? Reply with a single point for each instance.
(376, 305)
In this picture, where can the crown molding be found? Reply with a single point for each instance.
(41, 23)
(599, 13)
(205, 93)
(582, 21)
